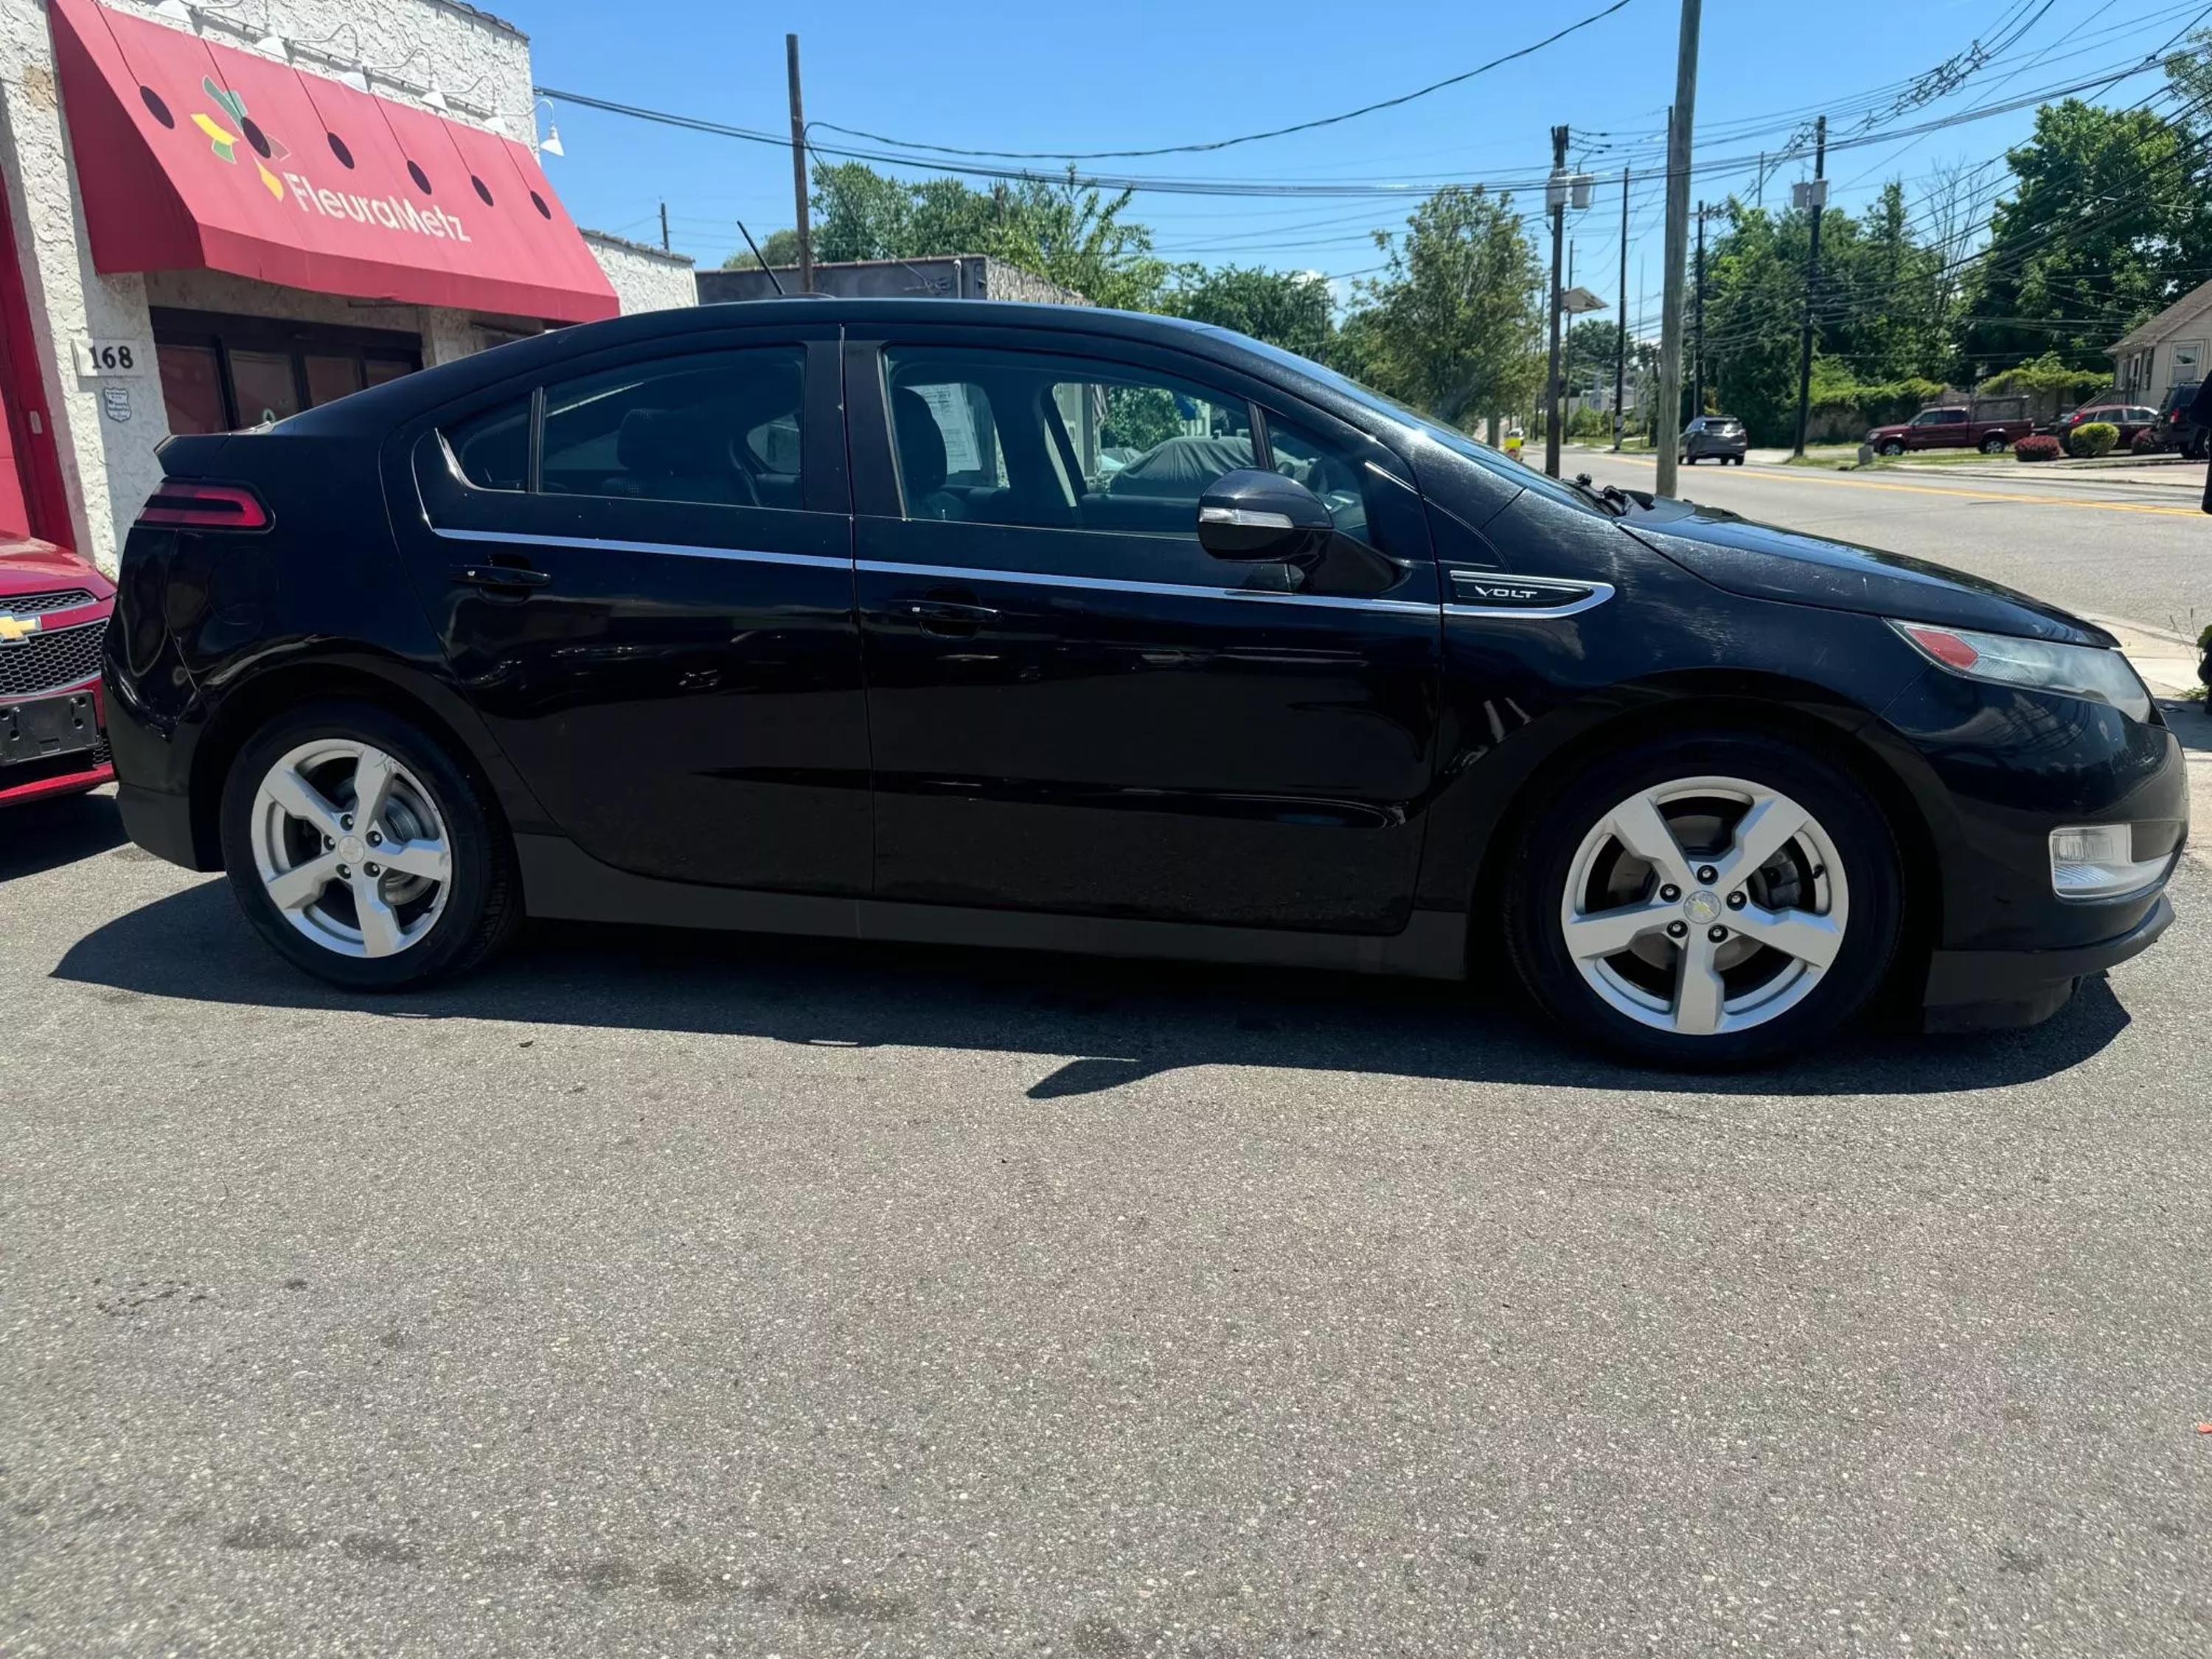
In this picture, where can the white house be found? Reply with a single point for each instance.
(2166, 350)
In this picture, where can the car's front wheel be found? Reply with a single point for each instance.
(1892, 447)
(362, 852)
(1708, 899)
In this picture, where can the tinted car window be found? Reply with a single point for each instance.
(493, 449)
(1414, 424)
(716, 427)
(1051, 442)
(1322, 467)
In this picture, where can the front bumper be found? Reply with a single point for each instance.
(44, 779)
(1998, 769)
(1985, 990)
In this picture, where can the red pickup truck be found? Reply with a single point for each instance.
(1947, 429)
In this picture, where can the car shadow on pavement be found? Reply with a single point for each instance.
(1122, 1020)
(48, 834)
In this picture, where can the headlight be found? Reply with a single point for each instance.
(2072, 671)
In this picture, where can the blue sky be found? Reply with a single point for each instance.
(1145, 72)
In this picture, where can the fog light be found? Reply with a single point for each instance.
(2098, 860)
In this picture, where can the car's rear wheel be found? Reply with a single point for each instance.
(362, 852)
(1994, 444)
(1709, 899)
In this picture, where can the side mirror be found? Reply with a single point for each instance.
(1250, 514)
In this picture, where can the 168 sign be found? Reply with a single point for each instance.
(110, 357)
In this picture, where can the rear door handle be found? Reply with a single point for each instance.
(498, 575)
(943, 614)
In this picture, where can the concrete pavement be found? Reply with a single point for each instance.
(691, 1295)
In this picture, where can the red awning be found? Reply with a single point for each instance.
(193, 155)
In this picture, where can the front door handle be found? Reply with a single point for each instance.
(497, 576)
(947, 613)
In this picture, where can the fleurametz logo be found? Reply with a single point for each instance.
(390, 212)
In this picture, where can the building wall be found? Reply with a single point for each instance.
(645, 278)
(479, 65)
(941, 277)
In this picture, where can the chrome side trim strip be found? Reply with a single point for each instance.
(1598, 593)
(1170, 590)
(679, 549)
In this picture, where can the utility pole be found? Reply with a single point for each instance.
(1681, 124)
(1816, 202)
(1698, 301)
(798, 166)
(1621, 340)
(1551, 424)
(664, 228)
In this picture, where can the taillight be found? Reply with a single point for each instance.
(178, 504)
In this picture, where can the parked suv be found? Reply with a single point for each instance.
(2178, 429)
(1715, 437)
(2130, 418)
(827, 617)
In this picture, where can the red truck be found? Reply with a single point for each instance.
(1949, 428)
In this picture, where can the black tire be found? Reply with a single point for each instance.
(1892, 447)
(483, 904)
(1994, 444)
(1689, 460)
(1536, 881)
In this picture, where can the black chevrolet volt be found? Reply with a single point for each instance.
(1074, 631)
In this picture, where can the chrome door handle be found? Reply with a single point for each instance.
(497, 575)
(947, 616)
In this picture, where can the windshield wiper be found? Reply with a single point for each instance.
(1612, 497)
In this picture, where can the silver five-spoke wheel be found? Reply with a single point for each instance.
(1705, 905)
(350, 847)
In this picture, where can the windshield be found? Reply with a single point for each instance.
(1445, 437)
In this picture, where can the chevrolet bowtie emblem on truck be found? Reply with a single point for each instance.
(14, 629)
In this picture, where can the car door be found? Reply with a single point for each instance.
(641, 572)
(1074, 708)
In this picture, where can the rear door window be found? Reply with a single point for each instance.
(493, 449)
(718, 428)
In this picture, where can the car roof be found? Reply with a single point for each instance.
(382, 406)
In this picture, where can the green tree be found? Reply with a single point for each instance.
(1452, 324)
(1062, 231)
(1287, 309)
(2106, 221)
(778, 247)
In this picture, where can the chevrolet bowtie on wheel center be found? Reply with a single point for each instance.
(1068, 629)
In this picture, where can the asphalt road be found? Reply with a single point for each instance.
(2142, 554)
(659, 1294)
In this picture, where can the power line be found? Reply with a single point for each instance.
(1243, 138)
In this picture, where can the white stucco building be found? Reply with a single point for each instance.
(210, 221)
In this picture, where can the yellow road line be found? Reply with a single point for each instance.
(1810, 477)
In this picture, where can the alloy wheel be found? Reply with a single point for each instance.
(1704, 905)
(350, 847)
